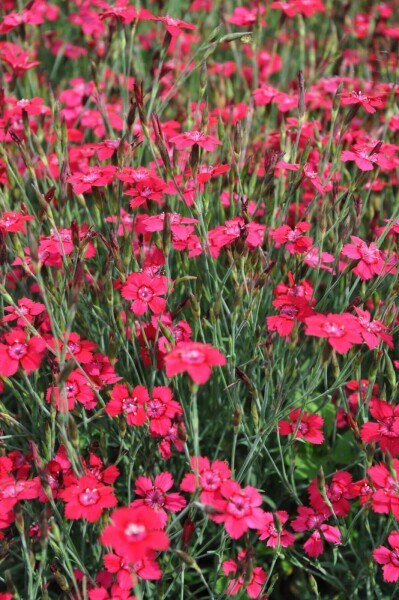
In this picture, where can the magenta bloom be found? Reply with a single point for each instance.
(192, 138)
(156, 497)
(371, 260)
(130, 404)
(13, 222)
(369, 103)
(210, 478)
(161, 409)
(272, 530)
(386, 495)
(296, 242)
(239, 507)
(20, 351)
(373, 332)
(252, 578)
(310, 520)
(339, 491)
(389, 558)
(364, 159)
(195, 358)
(342, 330)
(134, 533)
(94, 177)
(145, 291)
(386, 430)
(87, 498)
(307, 426)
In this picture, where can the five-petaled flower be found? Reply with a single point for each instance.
(389, 558)
(145, 291)
(86, 498)
(195, 358)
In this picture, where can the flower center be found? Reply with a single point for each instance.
(155, 499)
(129, 405)
(238, 506)
(334, 330)
(17, 350)
(145, 293)
(192, 356)
(210, 481)
(135, 532)
(155, 408)
(89, 497)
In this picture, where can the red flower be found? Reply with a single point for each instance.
(244, 17)
(338, 492)
(87, 498)
(78, 349)
(369, 103)
(386, 430)
(95, 176)
(131, 404)
(239, 507)
(306, 426)
(14, 222)
(373, 331)
(210, 478)
(307, 8)
(192, 138)
(248, 577)
(389, 558)
(155, 496)
(134, 533)
(146, 190)
(76, 389)
(371, 260)
(145, 291)
(364, 158)
(341, 330)
(173, 26)
(20, 351)
(272, 530)
(296, 242)
(307, 520)
(386, 495)
(26, 308)
(161, 409)
(195, 358)
(127, 574)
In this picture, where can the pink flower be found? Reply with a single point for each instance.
(373, 331)
(209, 477)
(134, 533)
(20, 351)
(272, 530)
(95, 176)
(365, 159)
(371, 260)
(342, 330)
(87, 498)
(26, 308)
(246, 576)
(239, 507)
(389, 558)
(338, 492)
(369, 103)
(145, 291)
(130, 404)
(195, 358)
(13, 222)
(128, 575)
(386, 430)
(306, 426)
(155, 496)
(192, 138)
(310, 520)
(386, 495)
(296, 242)
(161, 409)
